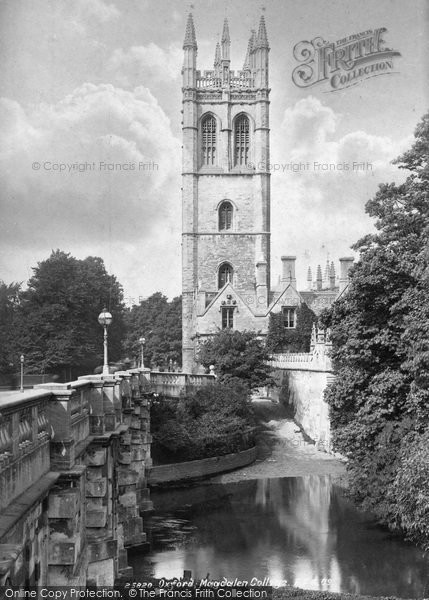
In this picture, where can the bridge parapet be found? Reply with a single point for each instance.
(24, 443)
(73, 460)
(174, 385)
(318, 359)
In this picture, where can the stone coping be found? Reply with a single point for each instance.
(204, 467)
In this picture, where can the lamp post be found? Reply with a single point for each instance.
(105, 318)
(142, 341)
(21, 389)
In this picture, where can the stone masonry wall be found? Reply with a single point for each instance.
(72, 518)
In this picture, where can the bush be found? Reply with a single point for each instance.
(214, 421)
(411, 489)
(237, 356)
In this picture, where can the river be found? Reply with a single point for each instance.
(299, 530)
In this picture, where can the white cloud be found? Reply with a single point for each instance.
(322, 207)
(140, 62)
(99, 206)
(88, 9)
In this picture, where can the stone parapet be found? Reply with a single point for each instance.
(73, 484)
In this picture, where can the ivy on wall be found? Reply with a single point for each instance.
(297, 339)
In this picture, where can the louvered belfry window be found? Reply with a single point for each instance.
(241, 141)
(209, 140)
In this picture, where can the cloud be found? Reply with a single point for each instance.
(120, 182)
(308, 123)
(139, 62)
(80, 16)
(322, 204)
(98, 9)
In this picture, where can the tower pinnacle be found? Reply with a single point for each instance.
(262, 38)
(225, 41)
(246, 65)
(190, 39)
(217, 60)
(309, 279)
(225, 32)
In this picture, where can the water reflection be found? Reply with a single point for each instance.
(299, 530)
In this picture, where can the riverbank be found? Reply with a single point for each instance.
(283, 450)
(285, 593)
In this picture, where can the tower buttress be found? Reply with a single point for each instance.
(217, 61)
(189, 191)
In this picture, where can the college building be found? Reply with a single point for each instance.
(226, 279)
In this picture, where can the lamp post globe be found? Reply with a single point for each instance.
(142, 341)
(105, 318)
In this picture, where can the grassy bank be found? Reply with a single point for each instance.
(284, 593)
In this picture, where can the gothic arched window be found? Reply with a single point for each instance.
(208, 128)
(225, 274)
(241, 140)
(225, 216)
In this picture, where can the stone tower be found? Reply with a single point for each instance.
(226, 190)
(226, 184)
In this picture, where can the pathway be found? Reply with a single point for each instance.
(283, 451)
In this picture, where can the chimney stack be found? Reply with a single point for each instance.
(288, 270)
(345, 264)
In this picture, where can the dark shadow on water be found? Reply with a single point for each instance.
(300, 530)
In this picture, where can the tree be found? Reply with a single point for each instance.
(56, 326)
(237, 355)
(282, 339)
(9, 302)
(380, 334)
(160, 323)
(212, 421)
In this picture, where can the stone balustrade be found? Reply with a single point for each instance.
(174, 385)
(73, 475)
(239, 80)
(73, 460)
(24, 444)
(318, 359)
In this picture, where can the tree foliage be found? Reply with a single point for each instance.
(9, 301)
(380, 333)
(160, 323)
(282, 339)
(213, 421)
(237, 355)
(55, 322)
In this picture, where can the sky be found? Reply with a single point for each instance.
(94, 82)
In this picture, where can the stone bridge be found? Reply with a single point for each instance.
(73, 460)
